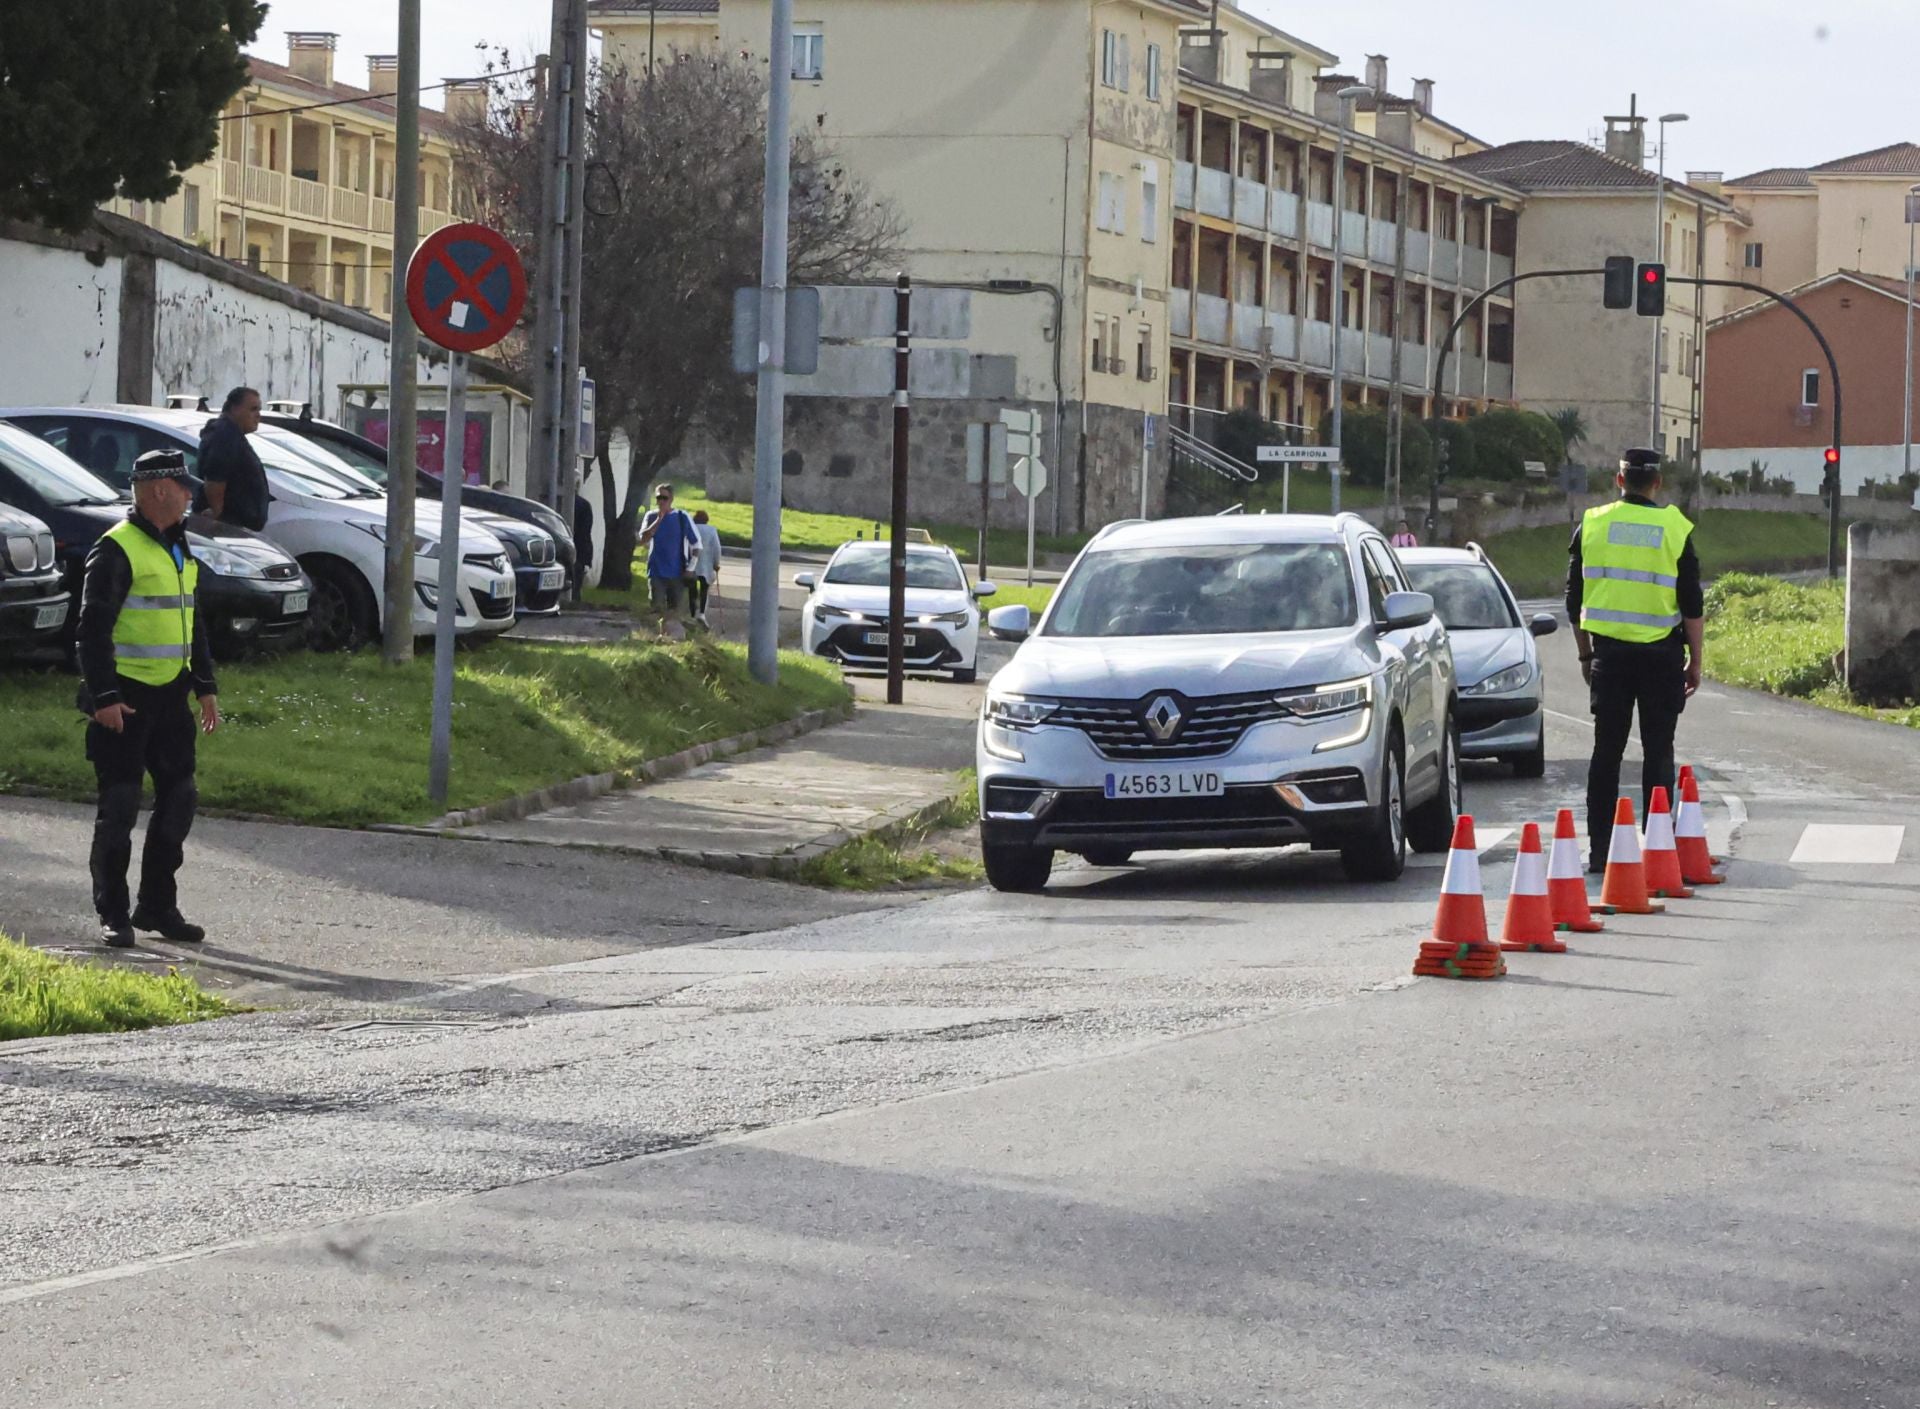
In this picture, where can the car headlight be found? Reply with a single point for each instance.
(1018, 712)
(22, 553)
(1514, 677)
(942, 619)
(1327, 701)
(225, 562)
(827, 609)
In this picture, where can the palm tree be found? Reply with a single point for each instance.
(1572, 423)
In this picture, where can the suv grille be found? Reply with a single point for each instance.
(1147, 728)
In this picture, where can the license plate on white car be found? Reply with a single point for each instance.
(50, 616)
(874, 638)
(551, 578)
(1164, 784)
(292, 603)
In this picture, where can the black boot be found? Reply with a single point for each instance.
(171, 926)
(116, 934)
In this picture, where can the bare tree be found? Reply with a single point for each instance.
(673, 199)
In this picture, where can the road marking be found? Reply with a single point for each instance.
(1485, 839)
(1832, 844)
(1583, 723)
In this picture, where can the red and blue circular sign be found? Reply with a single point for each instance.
(466, 287)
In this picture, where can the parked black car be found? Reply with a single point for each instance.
(252, 593)
(540, 594)
(34, 607)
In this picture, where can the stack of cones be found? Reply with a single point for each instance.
(1529, 924)
(1460, 947)
(1625, 885)
(1663, 857)
(1567, 881)
(1690, 836)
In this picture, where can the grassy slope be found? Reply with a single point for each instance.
(343, 740)
(43, 996)
(1534, 560)
(804, 532)
(1781, 637)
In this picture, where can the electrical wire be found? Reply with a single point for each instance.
(372, 97)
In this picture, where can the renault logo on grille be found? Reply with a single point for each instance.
(1162, 719)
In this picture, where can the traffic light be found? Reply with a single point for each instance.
(1833, 457)
(1617, 290)
(1650, 292)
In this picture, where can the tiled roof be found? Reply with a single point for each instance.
(265, 70)
(1777, 178)
(665, 7)
(1899, 159)
(1564, 166)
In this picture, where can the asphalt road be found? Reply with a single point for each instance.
(1179, 1134)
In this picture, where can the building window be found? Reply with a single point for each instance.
(1810, 388)
(1754, 251)
(1100, 344)
(809, 50)
(1143, 354)
(1153, 73)
(253, 257)
(1150, 202)
(190, 211)
(1112, 212)
(1665, 365)
(1115, 60)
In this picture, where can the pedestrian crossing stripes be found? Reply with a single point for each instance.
(1835, 844)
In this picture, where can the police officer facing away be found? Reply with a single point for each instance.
(142, 645)
(1634, 595)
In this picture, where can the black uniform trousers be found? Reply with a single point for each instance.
(158, 739)
(1629, 675)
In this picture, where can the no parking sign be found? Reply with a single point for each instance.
(466, 287)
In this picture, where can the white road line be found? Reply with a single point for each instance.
(1832, 844)
(1568, 718)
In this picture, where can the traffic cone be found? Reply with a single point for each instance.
(1625, 885)
(1462, 916)
(1529, 921)
(1663, 859)
(1567, 881)
(1690, 836)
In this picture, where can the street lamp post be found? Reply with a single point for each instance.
(1659, 255)
(1347, 97)
(1906, 404)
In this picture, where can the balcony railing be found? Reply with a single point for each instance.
(1413, 364)
(1419, 251)
(1473, 375)
(230, 180)
(1210, 318)
(1320, 225)
(1249, 328)
(1316, 344)
(306, 199)
(1473, 267)
(1353, 233)
(350, 207)
(1183, 185)
(266, 190)
(1446, 262)
(1250, 203)
(1216, 193)
(1383, 238)
(1500, 381)
(1353, 351)
(1180, 312)
(1284, 329)
(383, 216)
(1283, 214)
(1502, 267)
(1379, 356)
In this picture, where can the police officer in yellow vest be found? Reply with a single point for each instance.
(1634, 595)
(142, 647)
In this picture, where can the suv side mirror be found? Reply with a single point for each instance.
(1543, 625)
(804, 579)
(1013, 623)
(984, 589)
(1402, 610)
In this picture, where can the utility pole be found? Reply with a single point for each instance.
(897, 534)
(1347, 96)
(555, 418)
(396, 636)
(770, 398)
(571, 309)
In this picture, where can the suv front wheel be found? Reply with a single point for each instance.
(1380, 854)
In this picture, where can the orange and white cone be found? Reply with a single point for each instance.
(1690, 836)
(1625, 885)
(1529, 921)
(1462, 916)
(1662, 857)
(1567, 880)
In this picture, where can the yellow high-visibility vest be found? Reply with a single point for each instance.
(1630, 560)
(153, 635)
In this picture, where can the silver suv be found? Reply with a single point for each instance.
(1222, 682)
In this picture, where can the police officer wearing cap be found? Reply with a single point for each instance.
(1634, 596)
(142, 647)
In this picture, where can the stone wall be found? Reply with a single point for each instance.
(1883, 612)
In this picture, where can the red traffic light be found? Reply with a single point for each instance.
(1833, 455)
(1650, 274)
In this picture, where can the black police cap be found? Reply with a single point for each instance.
(1641, 459)
(159, 464)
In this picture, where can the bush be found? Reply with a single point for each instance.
(1506, 437)
(1363, 440)
(1458, 438)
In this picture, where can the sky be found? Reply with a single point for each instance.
(1765, 82)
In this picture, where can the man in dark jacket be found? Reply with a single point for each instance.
(142, 646)
(234, 486)
(582, 537)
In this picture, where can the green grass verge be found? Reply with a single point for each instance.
(342, 740)
(805, 532)
(1018, 595)
(883, 862)
(1534, 560)
(45, 996)
(1782, 637)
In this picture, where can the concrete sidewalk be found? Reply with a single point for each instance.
(771, 811)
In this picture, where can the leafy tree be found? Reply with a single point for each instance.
(112, 98)
(1363, 444)
(673, 228)
(1240, 433)
(1461, 451)
(1505, 437)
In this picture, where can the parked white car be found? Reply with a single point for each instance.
(336, 530)
(845, 617)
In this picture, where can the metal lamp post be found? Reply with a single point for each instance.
(1906, 404)
(1347, 96)
(1659, 255)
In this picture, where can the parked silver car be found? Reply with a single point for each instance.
(1222, 682)
(1502, 693)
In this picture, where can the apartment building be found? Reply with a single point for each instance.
(1800, 224)
(1584, 204)
(302, 186)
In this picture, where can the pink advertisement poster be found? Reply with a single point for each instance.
(432, 443)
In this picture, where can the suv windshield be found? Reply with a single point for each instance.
(1218, 589)
(866, 566)
(1466, 596)
(298, 453)
(55, 478)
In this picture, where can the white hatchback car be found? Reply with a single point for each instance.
(845, 617)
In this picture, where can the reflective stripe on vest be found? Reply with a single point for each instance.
(153, 634)
(1630, 562)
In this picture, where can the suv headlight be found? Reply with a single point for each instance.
(225, 562)
(824, 610)
(942, 618)
(1514, 677)
(1327, 701)
(1018, 712)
